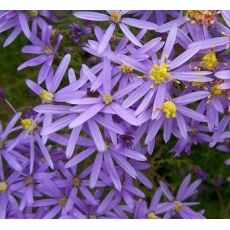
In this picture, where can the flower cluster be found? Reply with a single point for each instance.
(84, 150)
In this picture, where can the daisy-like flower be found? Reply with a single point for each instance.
(160, 74)
(105, 159)
(44, 49)
(174, 110)
(177, 206)
(116, 18)
(19, 21)
(30, 133)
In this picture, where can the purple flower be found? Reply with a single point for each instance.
(116, 18)
(19, 21)
(44, 49)
(176, 206)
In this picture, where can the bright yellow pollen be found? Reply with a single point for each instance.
(215, 89)
(209, 61)
(159, 73)
(47, 50)
(107, 99)
(126, 69)
(169, 108)
(115, 16)
(3, 187)
(28, 125)
(62, 201)
(46, 96)
(151, 215)
(177, 207)
(33, 13)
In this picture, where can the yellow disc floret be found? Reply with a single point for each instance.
(62, 201)
(216, 90)
(126, 69)
(159, 73)
(177, 207)
(33, 13)
(209, 61)
(107, 99)
(3, 187)
(28, 125)
(46, 96)
(115, 16)
(151, 215)
(169, 108)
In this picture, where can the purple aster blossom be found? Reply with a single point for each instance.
(52, 93)
(30, 133)
(59, 201)
(177, 206)
(160, 74)
(20, 21)
(105, 159)
(173, 112)
(116, 18)
(26, 184)
(45, 49)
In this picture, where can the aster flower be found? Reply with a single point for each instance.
(30, 132)
(116, 18)
(19, 21)
(106, 158)
(176, 206)
(45, 49)
(160, 74)
(174, 110)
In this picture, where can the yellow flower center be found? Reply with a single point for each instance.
(169, 108)
(47, 50)
(209, 61)
(177, 207)
(62, 201)
(115, 16)
(28, 125)
(76, 182)
(216, 90)
(46, 96)
(126, 69)
(159, 73)
(204, 17)
(107, 99)
(3, 187)
(151, 215)
(33, 13)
